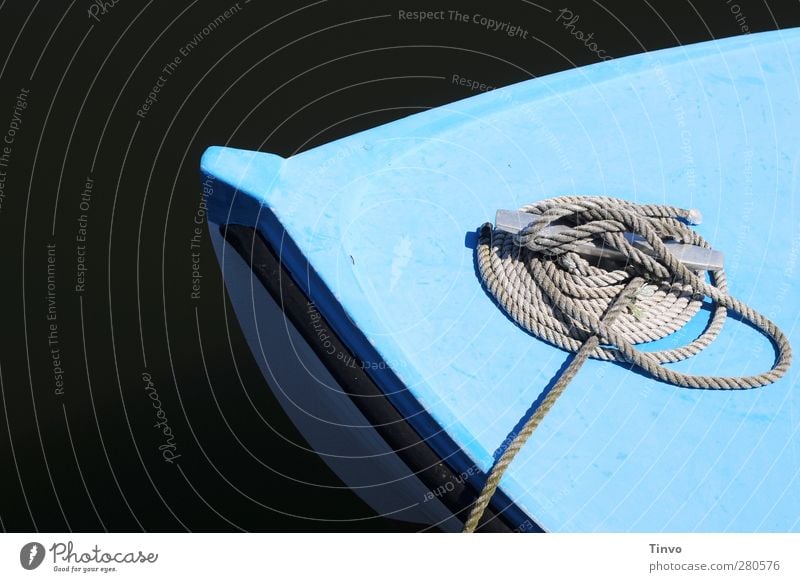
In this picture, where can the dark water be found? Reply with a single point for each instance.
(107, 108)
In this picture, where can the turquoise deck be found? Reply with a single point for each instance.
(384, 218)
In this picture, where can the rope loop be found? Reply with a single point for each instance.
(601, 311)
(553, 292)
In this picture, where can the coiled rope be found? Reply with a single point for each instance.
(551, 291)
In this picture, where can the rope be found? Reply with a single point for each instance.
(602, 311)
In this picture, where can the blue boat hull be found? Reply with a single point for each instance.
(377, 231)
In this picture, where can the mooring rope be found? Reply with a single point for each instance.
(539, 278)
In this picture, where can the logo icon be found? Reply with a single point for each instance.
(31, 555)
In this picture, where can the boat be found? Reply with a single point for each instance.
(352, 271)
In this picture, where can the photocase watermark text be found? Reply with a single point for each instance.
(168, 448)
(327, 343)
(738, 15)
(172, 66)
(7, 144)
(82, 235)
(65, 552)
(471, 84)
(569, 21)
(53, 338)
(100, 8)
(195, 241)
(491, 24)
